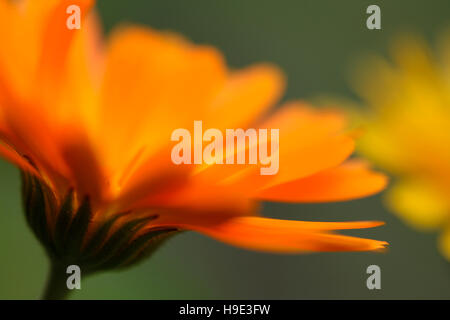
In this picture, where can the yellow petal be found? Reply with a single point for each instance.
(444, 242)
(419, 203)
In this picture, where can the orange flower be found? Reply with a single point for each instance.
(90, 128)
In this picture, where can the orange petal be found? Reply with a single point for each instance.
(56, 42)
(79, 98)
(31, 134)
(309, 141)
(246, 96)
(30, 118)
(154, 83)
(284, 236)
(144, 179)
(197, 198)
(349, 181)
(17, 56)
(13, 157)
(86, 174)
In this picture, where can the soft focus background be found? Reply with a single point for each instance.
(315, 42)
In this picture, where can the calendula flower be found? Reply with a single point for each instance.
(407, 130)
(90, 125)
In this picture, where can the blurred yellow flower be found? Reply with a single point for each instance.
(407, 130)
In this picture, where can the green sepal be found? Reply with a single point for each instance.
(120, 249)
(141, 248)
(39, 202)
(115, 242)
(62, 224)
(78, 229)
(98, 238)
(63, 230)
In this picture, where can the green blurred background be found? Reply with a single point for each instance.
(315, 42)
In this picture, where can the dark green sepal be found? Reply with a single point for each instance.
(115, 242)
(62, 223)
(78, 229)
(140, 248)
(39, 202)
(98, 238)
(63, 231)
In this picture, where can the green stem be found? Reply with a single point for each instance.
(56, 288)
